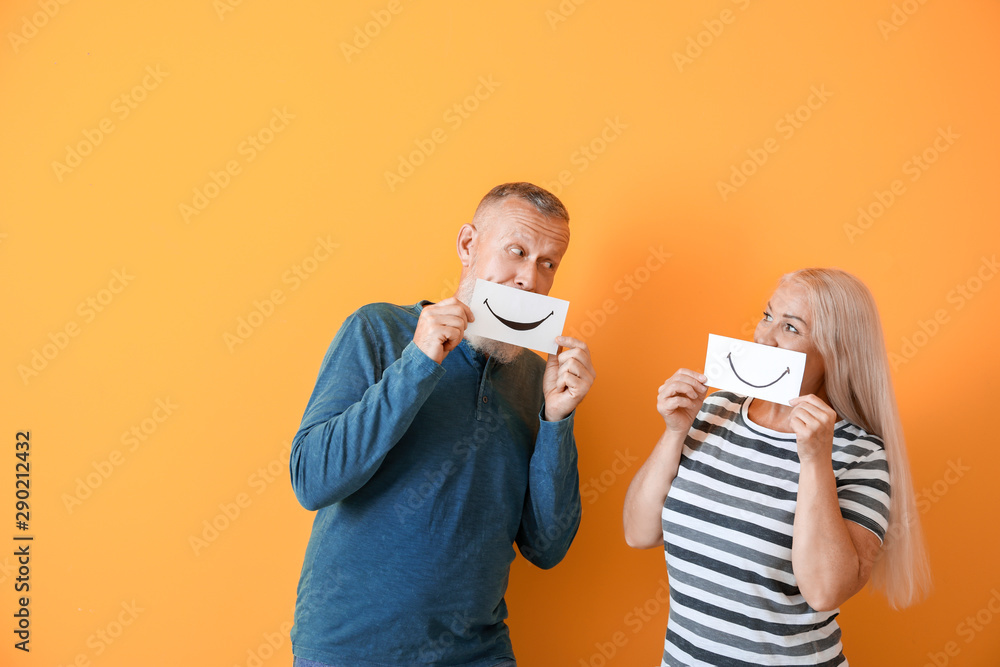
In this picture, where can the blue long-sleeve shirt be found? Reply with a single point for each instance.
(425, 476)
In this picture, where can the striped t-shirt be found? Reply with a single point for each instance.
(727, 531)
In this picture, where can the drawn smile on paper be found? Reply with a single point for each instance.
(517, 326)
(750, 384)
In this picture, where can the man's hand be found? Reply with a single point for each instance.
(568, 377)
(441, 327)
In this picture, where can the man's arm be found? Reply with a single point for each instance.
(551, 514)
(356, 414)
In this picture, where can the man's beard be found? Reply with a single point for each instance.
(503, 353)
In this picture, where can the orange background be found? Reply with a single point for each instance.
(660, 132)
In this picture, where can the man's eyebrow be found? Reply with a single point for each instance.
(518, 235)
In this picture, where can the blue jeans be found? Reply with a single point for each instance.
(302, 662)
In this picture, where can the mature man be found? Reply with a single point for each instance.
(429, 453)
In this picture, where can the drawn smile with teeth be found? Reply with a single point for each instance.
(517, 326)
(750, 384)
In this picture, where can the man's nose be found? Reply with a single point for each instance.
(527, 276)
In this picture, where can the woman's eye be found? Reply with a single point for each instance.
(789, 327)
(767, 316)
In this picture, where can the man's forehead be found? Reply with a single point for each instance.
(516, 217)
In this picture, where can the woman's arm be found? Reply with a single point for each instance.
(648, 491)
(831, 557)
(678, 401)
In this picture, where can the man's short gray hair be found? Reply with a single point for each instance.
(544, 201)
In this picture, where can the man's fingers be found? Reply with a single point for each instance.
(573, 368)
(573, 377)
(457, 319)
(451, 337)
(567, 380)
(578, 358)
(468, 311)
(455, 300)
(578, 368)
(579, 353)
(452, 306)
(569, 342)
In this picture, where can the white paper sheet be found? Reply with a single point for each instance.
(515, 316)
(765, 372)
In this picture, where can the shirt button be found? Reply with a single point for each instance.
(485, 400)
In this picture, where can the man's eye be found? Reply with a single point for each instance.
(517, 251)
(548, 265)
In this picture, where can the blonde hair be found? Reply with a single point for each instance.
(847, 331)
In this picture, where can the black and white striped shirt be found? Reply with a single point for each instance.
(727, 531)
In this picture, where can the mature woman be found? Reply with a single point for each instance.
(772, 516)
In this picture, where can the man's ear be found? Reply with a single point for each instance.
(468, 235)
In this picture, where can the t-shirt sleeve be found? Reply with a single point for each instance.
(863, 488)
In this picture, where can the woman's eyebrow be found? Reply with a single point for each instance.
(787, 315)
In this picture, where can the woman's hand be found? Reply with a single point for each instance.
(832, 557)
(680, 398)
(812, 421)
